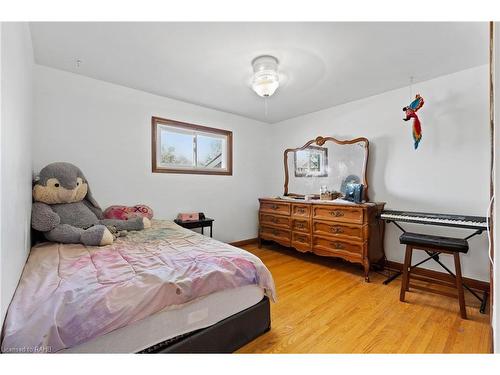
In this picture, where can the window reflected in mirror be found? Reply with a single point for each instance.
(311, 162)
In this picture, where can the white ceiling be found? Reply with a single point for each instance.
(321, 64)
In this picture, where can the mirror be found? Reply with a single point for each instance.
(326, 161)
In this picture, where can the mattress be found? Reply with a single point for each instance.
(71, 294)
(173, 321)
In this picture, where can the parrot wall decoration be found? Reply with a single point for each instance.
(411, 112)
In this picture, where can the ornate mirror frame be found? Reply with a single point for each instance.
(320, 141)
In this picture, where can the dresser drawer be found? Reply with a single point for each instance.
(275, 220)
(301, 210)
(281, 208)
(337, 229)
(338, 213)
(337, 245)
(275, 234)
(301, 241)
(301, 225)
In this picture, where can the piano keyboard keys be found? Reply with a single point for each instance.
(461, 221)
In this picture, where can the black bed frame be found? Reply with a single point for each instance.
(226, 336)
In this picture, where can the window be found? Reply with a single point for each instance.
(178, 147)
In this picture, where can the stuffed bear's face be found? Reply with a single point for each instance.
(54, 192)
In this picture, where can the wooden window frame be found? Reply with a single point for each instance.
(155, 121)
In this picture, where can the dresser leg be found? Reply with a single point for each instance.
(259, 243)
(366, 267)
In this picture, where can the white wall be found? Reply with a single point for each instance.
(16, 160)
(496, 206)
(105, 129)
(2, 315)
(447, 174)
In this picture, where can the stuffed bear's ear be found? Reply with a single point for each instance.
(91, 199)
(35, 180)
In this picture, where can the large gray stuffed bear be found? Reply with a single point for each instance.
(65, 211)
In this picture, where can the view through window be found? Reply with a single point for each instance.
(187, 148)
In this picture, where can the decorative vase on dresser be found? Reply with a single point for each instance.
(336, 228)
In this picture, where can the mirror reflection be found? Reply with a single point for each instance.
(325, 163)
(311, 162)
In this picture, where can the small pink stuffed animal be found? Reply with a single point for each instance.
(125, 213)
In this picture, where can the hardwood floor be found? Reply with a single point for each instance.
(324, 306)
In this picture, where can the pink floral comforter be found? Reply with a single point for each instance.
(69, 294)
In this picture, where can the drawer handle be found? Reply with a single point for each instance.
(301, 239)
(276, 233)
(274, 207)
(301, 210)
(337, 245)
(300, 225)
(337, 229)
(337, 213)
(274, 220)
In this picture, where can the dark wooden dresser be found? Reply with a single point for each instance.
(349, 231)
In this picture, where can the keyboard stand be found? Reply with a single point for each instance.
(435, 257)
(399, 273)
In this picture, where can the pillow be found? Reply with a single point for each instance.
(125, 213)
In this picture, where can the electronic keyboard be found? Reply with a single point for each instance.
(478, 223)
(460, 221)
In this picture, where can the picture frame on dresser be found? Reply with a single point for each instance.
(337, 228)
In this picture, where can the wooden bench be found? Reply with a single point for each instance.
(434, 246)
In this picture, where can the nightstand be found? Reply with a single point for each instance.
(207, 222)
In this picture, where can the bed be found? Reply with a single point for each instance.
(163, 289)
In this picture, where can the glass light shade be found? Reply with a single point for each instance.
(265, 78)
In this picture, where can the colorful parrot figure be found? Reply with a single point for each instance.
(411, 112)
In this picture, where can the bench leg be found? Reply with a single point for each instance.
(407, 286)
(460, 287)
(405, 282)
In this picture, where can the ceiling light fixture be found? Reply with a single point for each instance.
(265, 79)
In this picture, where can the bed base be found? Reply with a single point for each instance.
(226, 336)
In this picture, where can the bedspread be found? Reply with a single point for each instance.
(71, 293)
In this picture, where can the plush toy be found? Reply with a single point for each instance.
(411, 112)
(126, 213)
(65, 211)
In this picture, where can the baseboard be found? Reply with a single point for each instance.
(243, 242)
(482, 286)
